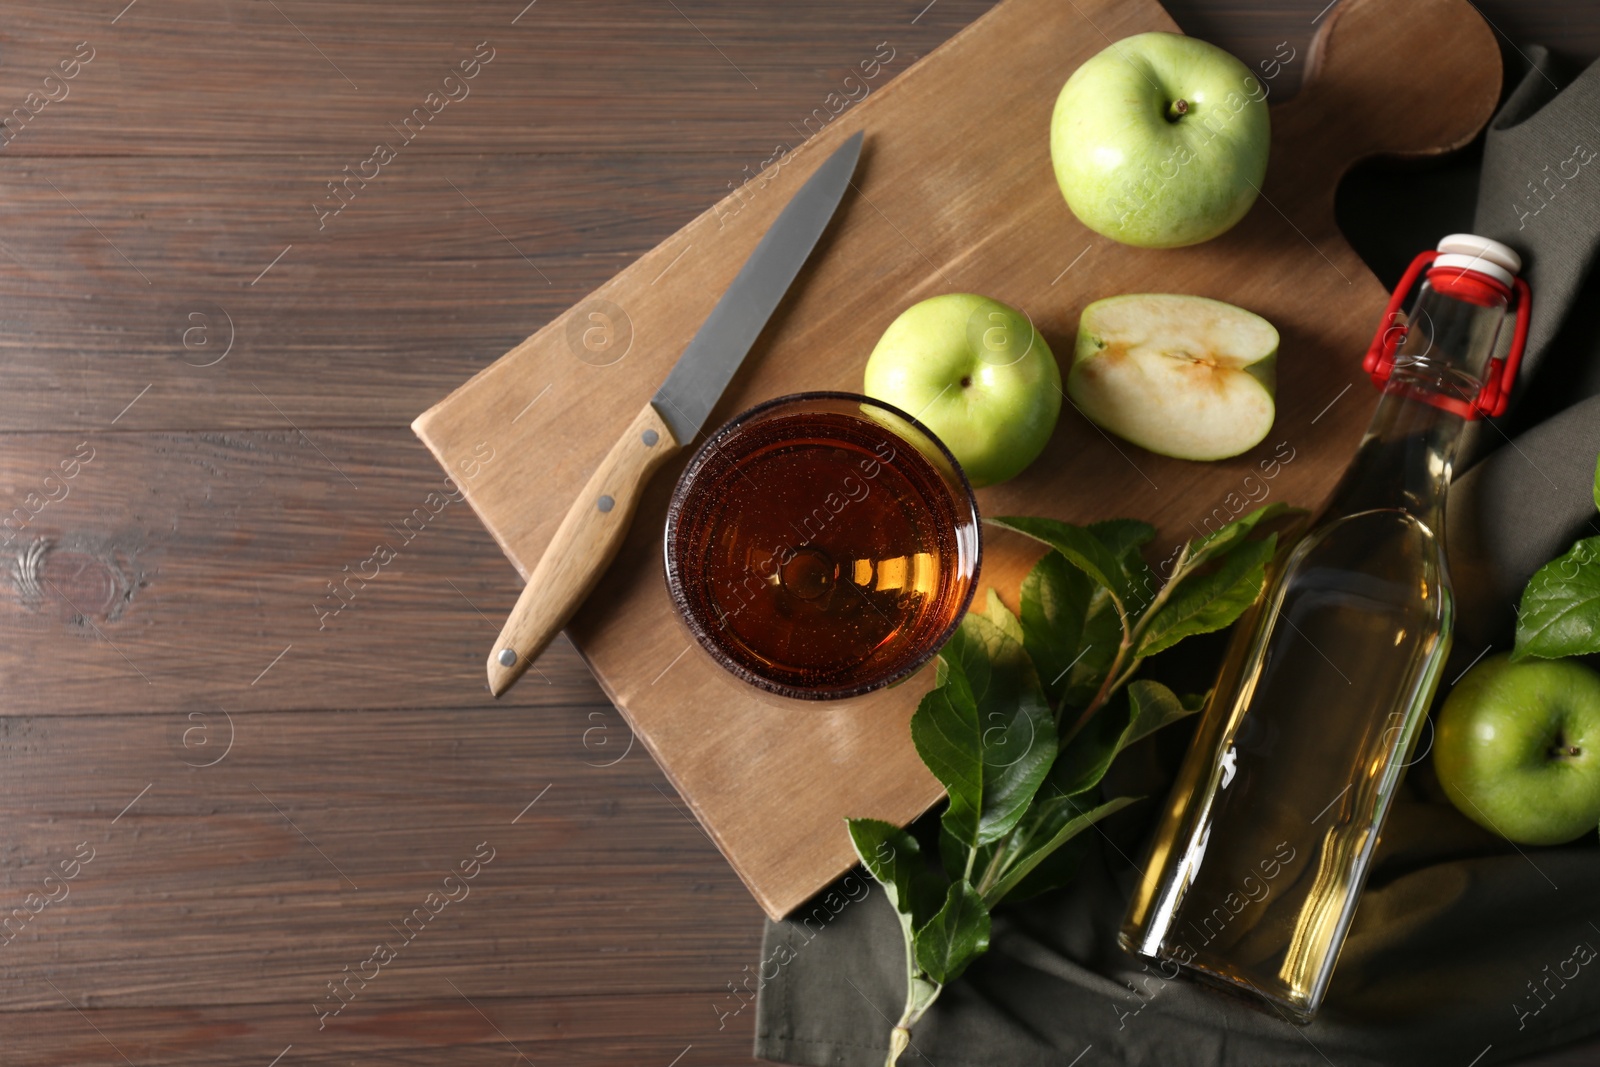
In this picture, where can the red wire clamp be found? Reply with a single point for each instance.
(1475, 287)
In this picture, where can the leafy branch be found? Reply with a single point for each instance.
(1021, 786)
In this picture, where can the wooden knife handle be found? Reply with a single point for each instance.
(583, 545)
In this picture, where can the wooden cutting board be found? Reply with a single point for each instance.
(954, 192)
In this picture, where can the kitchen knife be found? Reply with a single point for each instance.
(593, 529)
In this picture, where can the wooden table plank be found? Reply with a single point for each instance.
(249, 570)
(327, 79)
(335, 329)
(254, 872)
(466, 1029)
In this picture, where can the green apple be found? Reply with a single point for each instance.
(977, 374)
(1180, 375)
(1160, 140)
(1518, 749)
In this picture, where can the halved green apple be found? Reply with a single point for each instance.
(1180, 375)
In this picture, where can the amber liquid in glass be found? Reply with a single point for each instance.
(823, 549)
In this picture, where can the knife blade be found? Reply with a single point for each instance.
(593, 529)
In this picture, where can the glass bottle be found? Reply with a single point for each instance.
(1253, 873)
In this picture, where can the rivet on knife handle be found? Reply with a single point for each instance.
(583, 545)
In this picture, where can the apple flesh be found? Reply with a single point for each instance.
(1518, 749)
(1180, 375)
(977, 374)
(1161, 140)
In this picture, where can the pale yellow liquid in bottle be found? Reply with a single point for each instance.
(1258, 859)
(1313, 744)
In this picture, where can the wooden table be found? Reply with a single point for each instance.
(209, 373)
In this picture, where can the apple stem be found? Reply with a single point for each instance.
(1177, 109)
(1562, 747)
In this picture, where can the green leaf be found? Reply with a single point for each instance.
(1560, 610)
(1051, 810)
(1151, 706)
(1214, 544)
(1019, 744)
(1082, 549)
(1096, 573)
(1087, 757)
(1068, 792)
(1054, 871)
(955, 936)
(1597, 483)
(953, 853)
(1125, 538)
(1209, 601)
(1055, 605)
(997, 613)
(1102, 637)
(1073, 823)
(948, 737)
(988, 734)
(895, 860)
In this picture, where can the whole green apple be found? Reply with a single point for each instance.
(1518, 749)
(977, 374)
(1161, 140)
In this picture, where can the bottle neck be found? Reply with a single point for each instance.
(1404, 461)
(1406, 458)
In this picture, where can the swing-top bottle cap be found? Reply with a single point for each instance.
(1467, 251)
(1475, 270)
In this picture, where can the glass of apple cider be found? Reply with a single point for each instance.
(822, 545)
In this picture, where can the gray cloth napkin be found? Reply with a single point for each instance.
(1456, 953)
